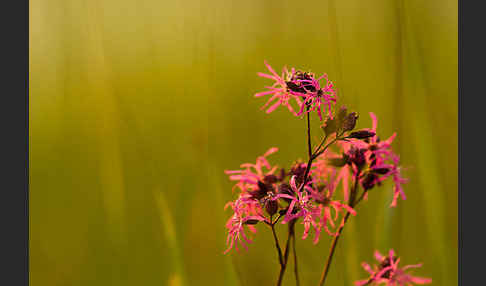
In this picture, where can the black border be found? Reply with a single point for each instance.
(14, 124)
(472, 147)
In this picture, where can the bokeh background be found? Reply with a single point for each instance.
(137, 107)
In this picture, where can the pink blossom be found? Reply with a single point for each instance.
(245, 209)
(381, 157)
(377, 155)
(316, 96)
(314, 208)
(247, 178)
(388, 272)
(279, 90)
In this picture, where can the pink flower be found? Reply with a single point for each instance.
(388, 272)
(374, 158)
(246, 211)
(383, 162)
(279, 90)
(247, 178)
(314, 208)
(316, 96)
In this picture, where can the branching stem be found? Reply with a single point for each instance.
(352, 203)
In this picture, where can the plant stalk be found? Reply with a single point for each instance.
(351, 203)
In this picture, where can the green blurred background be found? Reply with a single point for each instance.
(137, 107)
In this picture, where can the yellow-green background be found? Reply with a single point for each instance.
(137, 107)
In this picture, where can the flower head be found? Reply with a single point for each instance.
(256, 183)
(315, 208)
(303, 87)
(364, 155)
(247, 212)
(248, 178)
(382, 162)
(279, 91)
(387, 272)
(317, 97)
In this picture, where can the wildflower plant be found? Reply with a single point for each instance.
(323, 192)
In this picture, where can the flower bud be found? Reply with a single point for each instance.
(270, 179)
(357, 156)
(369, 181)
(271, 207)
(350, 121)
(361, 134)
(251, 221)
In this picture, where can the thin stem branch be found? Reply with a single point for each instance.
(320, 144)
(277, 244)
(296, 269)
(286, 254)
(336, 238)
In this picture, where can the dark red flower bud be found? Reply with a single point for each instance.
(357, 156)
(270, 179)
(369, 181)
(251, 221)
(271, 207)
(361, 134)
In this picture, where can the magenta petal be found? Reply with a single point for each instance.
(273, 107)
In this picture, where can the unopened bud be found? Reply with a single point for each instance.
(270, 179)
(369, 181)
(251, 221)
(361, 134)
(350, 121)
(271, 207)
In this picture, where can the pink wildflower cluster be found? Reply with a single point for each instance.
(388, 273)
(303, 87)
(373, 160)
(323, 192)
(264, 194)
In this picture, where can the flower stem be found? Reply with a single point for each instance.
(296, 270)
(277, 245)
(286, 254)
(351, 203)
